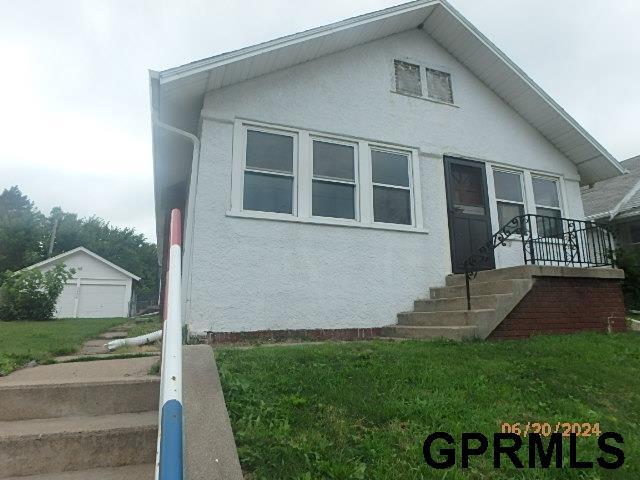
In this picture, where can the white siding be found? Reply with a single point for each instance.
(252, 274)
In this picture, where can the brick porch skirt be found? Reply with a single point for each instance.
(566, 305)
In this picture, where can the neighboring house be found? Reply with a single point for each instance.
(330, 178)
(98, 288)
(616, 202)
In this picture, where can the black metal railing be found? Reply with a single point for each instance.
(547, 241)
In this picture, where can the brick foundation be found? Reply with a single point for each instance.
(314, 335)
(565, 305)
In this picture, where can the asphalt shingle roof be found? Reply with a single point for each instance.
(603, 197)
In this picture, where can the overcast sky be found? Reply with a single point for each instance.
(74, 101)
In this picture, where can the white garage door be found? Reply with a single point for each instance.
(65, 307)
(101, 301)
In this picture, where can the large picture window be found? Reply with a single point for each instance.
(391, 187)
(509, 197)
(269, 172)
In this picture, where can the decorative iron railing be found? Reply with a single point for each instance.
(546, 241)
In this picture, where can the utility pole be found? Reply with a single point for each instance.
(53, 237)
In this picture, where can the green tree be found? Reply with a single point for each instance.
(25, 236)
(22, 230)
(32, 294)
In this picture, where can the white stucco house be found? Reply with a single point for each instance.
(329, 178)
(98, 288)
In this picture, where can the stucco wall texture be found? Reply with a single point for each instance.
(256, 274)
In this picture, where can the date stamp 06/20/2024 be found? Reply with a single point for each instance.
(545, 429)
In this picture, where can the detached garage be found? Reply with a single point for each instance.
(98, 289)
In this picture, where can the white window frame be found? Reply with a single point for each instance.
(555, 180)
(410, 188)
(356, 176)
(241, 169)
(498, 200)
(303, 178)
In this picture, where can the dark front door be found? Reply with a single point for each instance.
(468, 208)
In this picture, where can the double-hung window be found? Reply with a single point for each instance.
(269, 171)
(333, 187)
(509, 197)
(391, 187)
(292, 174)
(547, 200)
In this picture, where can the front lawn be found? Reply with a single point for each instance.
(362, 410)
(22, 342)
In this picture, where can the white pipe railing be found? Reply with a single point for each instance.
(169, 459)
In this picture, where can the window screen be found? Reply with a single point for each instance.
(334, 184)
(391, 190)
(439, 85)
(545, 194)
(408, 78)
(508, 187)
(268, 175)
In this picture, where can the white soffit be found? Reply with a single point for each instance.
(179, 91)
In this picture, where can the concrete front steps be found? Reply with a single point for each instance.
(494, 293)
(66, 422)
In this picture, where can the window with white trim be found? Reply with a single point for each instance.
(334, 191)
(391, 187)
(547, 200)
(269, 171)
(290, 174)
(509, 196)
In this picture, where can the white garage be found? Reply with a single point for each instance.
(98, 288)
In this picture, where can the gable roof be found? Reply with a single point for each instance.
(177, 94)
(618, 196)
(57, 258)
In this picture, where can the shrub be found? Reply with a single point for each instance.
(31, 294)
(628, 259)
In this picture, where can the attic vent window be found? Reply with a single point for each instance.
(408, 78)
(439, 85)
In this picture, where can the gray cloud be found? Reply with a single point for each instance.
(74, 91)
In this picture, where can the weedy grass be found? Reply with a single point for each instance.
(23, 342)
(144, 325)
(362, 410)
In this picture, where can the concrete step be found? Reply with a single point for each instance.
(430, 333)
(508, 273)
(130, 472)
(444, 318)
(478, 288)
(478, 302)
(52, 445)
(30, 401)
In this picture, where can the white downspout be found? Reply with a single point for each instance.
(157, 335)
(195, 166)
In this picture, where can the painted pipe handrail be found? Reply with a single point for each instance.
(169, 461)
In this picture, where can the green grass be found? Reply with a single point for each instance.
(22, 342)
(144, 325)
(362, 410)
